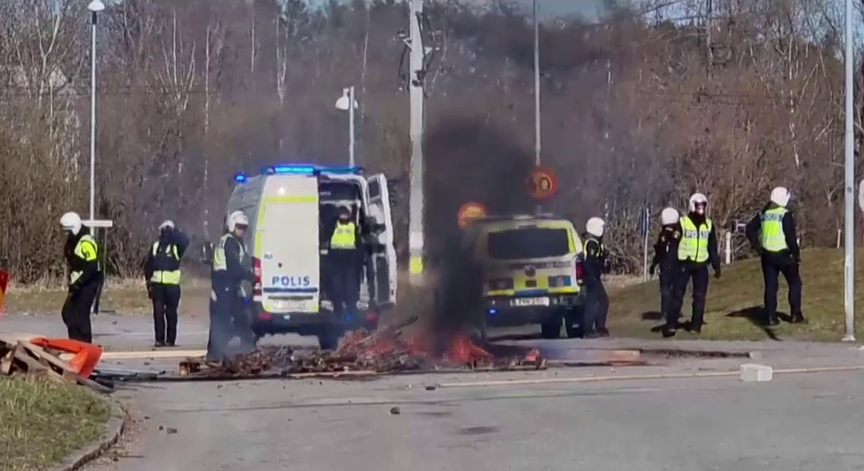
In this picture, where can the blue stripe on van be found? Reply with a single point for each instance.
(290, 290)
(530, 292)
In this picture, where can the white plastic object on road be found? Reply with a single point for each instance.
(755, 373)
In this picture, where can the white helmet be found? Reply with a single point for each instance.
(237, 218)
(697, 198)
(168, 224)
(71, 222)
(780, 196)
(595, 227)
(669, 216)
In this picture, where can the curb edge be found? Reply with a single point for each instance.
(113, 430)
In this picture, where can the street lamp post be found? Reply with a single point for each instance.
(849, 167)
(536, 87)
(345, 103)
(95, 7)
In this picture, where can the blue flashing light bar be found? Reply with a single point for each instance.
(310, 169)
(240, 177)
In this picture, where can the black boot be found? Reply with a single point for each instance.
(799, 319)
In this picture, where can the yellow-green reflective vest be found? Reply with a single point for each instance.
(219, 262)
(772, 237)
(86, 251)
(169, 259)
(344, 236)
(694, 240)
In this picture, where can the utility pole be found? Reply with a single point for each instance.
(536, 87)
(416, 204)
(849, 167)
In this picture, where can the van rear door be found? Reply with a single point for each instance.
(384, 250)
(286, 245)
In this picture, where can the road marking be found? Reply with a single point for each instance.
(144, 354)
(595, 379)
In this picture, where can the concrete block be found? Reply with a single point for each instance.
(752, 372)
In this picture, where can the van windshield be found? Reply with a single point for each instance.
(528, 242)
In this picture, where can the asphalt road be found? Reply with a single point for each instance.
(796, 422)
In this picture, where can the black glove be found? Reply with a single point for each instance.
(149, 290)
(651, 269)
(717, 273)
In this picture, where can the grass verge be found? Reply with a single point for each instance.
(123, 296)
(43, 422)
(734, 306)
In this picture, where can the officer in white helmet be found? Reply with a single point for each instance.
(596, 264)
(85, 275)
(666, 255)
(696, 250)
(162, 275)
(226, 302)
(772, 235)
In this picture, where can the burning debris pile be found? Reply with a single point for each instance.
(383, 351)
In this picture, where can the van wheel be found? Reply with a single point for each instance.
(328, 339)
(573, 321)
(551, 329)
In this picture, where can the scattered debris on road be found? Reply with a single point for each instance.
(363, 353)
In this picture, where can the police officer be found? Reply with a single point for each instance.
(162, 273)
(666, 255)
(696, 249)
(226, 301)
(85, 274)
(596, 264)
(343, 264)
(772, 234)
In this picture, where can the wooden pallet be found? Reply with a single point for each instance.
(22, 357)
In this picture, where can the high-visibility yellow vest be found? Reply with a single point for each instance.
(169, 259)
(601, 252)
(86, 251)
(771, 236)
(344, 236)
(694, 240)
(219, 262)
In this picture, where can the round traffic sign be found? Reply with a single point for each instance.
(542, 183)
(468, 211)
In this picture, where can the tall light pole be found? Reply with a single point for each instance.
(536, 87)
(416, 239)
(849, 167)
(95, 7)
(347, 103)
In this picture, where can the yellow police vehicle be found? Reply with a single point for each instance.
(529, 269)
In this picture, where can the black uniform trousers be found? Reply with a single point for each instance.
(228, 318)
(166, 299)
(699, 273)
(76, 311)
(596, 307)
(667, 288)
(344, 277)
(772, 265)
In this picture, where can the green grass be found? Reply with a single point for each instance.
(119, 295)
(736, 299)
(43, 422)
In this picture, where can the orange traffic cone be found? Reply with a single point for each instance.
(86, 355)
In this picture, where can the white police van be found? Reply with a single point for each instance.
(287, 206)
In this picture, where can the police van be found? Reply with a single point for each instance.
(288, 206)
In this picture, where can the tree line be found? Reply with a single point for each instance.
(641, 107)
